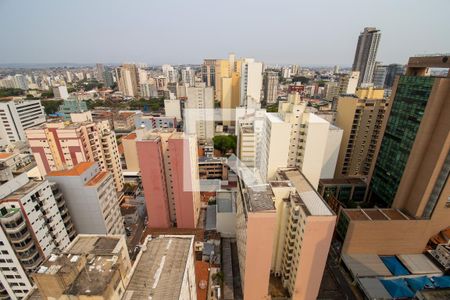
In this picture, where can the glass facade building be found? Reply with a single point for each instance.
(406, 114)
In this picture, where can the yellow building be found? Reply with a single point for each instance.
(227, 82)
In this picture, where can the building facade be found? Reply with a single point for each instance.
(270, 87)
(16, 116)
(366, 53)
(360, 116)
(168, 162)
(91, 198)
(58, 146)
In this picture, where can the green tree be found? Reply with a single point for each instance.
(8, 92)
(51, 106)
(225, 143)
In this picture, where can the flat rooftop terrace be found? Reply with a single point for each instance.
(306, 192)
(159, 271)
(375, 214)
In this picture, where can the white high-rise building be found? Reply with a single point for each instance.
(18, 115)
(251, 82)
(34, 222)
(91, 198)
(188, 76)
(60, 92)
(266, 137)
(172, 108)
(170, 73)
(314, 142)
(201, 102)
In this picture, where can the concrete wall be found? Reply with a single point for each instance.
(313, 256)
(130, 153)
(386, 237)
(260, 233)
(83, 204)
(154, 183)
(331, 152)
(184, 176)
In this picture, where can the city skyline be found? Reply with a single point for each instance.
(45, 24)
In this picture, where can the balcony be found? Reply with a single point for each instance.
(12, 228)
(20, 238)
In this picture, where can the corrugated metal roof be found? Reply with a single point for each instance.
(419, 264)
(365, 265)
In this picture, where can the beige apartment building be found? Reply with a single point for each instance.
(360, 116)
(128, 80)
(62, 145)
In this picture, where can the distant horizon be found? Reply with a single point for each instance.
(308, 33)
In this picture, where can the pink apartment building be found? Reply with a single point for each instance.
(59, 146)
(283, 233)
(169, 171)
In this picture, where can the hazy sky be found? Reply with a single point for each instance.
(313, 32)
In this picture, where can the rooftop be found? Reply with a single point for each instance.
(97, 254)
(97, 178)
(75, 171)
(5, 155)
(159, 268)
(375, 214)
(131, 136)
(338, 181)
(308, 195)
(94, 244)
(259, 198)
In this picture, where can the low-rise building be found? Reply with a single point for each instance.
(164, 269)
(92, 267)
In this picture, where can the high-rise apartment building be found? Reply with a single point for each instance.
(168, 162)
(348, 83)
(172, 108)
(57, 146)
(313, 143)
(366, 53)
(379, 75)
(331, 90)
(305, 226)
(170, 73)
(270, 87)
(91, 198)
(250, 82)
(360, 116)
(100, 73)
(128, 80)
(209, 72)
(188, 76)
(274, 147)
(283, 233)
(418, 103)
(392, 71)
(199, 115)
(18, 115)
(227, 85)
(60, 92)
(34, 221)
